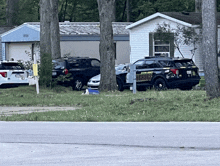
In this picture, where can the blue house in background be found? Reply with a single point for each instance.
(76, 39)
(19, 42)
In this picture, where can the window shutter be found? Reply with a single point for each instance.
(151, 44)
(172, 45)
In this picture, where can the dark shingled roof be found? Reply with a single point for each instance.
(189, 17)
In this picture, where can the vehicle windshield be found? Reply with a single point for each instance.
(12, 66)
(184, 63)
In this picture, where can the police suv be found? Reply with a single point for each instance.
(162, 73)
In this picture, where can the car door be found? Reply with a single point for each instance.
(144, 71)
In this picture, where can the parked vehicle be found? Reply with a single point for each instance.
(80, 70)
(94, 82)
(164, 72)
(158, 72)
(13, 73)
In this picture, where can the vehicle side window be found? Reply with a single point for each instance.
(12, 66)
(1, 67)
(184, 63)
(167, 63)
(95, 63)
(73, 63)
(151, 64)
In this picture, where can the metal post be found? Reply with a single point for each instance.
(35, 77)
(134, 79)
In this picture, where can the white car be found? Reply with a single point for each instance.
(95, 81)
(12, 73)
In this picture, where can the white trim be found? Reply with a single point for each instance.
(153, 16)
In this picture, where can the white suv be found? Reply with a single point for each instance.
(12, 73)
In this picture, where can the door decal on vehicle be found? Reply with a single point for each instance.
(144, 76)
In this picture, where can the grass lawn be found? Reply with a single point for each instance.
(151, 105)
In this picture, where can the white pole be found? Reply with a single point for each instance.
(134, 81)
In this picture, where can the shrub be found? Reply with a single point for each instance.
(45, 70)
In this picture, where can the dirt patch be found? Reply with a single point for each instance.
(7, 111)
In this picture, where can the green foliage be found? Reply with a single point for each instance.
(87, 10)
(202, 82)
(143, 9)
(175, 5)
(45, 70)
(78, 10)
(182, 35)
(63, 80)
(28, 11)
(2, 12)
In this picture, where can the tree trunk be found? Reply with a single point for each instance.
(128, 10)
(106, 47)
(45, 41)
(55, 30)
(209, 42)
(11, 12)
(45, 44)
(198, 6)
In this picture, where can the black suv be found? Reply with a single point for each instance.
(162, 73)
(81, 69)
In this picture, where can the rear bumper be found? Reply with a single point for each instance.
(183, 83)
(15, 82)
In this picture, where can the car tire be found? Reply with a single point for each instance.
(77, 84)
(160, 84)
(120, 85)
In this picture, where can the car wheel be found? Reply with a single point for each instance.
(78, 84)
(120, 85)
(186, 88)
(160, 84)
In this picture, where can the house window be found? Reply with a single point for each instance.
(159, 47)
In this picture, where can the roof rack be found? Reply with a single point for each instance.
(149, 57)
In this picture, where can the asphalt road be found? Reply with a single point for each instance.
(67, 144)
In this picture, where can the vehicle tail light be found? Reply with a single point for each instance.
(4, 74)
(175, 71)
(65, 71)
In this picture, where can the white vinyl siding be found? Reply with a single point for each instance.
(139, 40)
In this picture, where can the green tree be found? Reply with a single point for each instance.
(29, 11)
(175, 5)
(2, 12)
(78, 11)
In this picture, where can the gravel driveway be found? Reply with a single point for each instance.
(25, 110)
